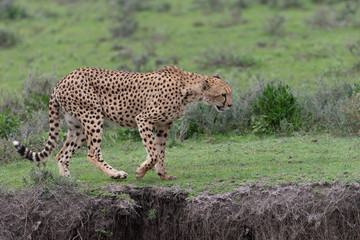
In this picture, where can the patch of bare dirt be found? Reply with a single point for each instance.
(251, 212)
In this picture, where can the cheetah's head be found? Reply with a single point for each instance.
(216, 92)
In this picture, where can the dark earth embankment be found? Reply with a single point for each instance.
(251, 212)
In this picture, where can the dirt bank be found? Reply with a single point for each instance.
(250, 212)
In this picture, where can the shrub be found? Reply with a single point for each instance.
(294, 3)
(10, 10)
(241, 4)
(51, 185)
(324, 106)
(354, 49)
(140, 62)
(128, 7)
(209, 5)
(352, 114)
(275, 107)
(226, 58)
(26, 119)
(126, 28)
(6, 152)
(8, 124)
(347, 14)
(356, 87)
(172, 60)
(285, 4)
(7, 39)
(275, 25)
(12, 102)
(37, 90)
(161, 7)
(203, 119)
(324, 18)
(329, 18)
(31, 131)
(235, 18)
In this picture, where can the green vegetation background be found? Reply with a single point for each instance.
(300, 43)
(60, 36)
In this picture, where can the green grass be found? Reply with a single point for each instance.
(58, 38)
(202, 164)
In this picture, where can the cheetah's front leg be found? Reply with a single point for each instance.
(145, 129)
(160, 142)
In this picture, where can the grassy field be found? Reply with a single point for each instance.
(217, 164)
(59, 36)
(291, 44)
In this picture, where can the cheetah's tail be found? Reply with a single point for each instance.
(54, 109)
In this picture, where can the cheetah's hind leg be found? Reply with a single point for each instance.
(74, 140)
(93, 130)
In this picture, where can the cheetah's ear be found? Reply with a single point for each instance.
(216, 75)
(205, 85)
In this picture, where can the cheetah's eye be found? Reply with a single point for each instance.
(224, 94)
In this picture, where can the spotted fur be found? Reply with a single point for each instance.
(145, 101)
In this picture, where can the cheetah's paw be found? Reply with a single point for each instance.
(119, 175)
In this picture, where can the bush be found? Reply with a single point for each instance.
(352, 114)
(8, 124)
(275, 25)
(354, 49)
(126, 28)
(327, 17)
(52, 186)
(203, 119)
(347, 14)
(235, 18)
(12, 102)
(285, 4)
(272, 107)
(140, 62)
(9, 10)
(324, 18)
(161, 7)
(226, 58)
(7, 39)
(275, 107)
(241, 4)
(324, 106)
(26, 119)
(294, 3)
(31, 131)
(128, 7)
(209, 5)
(37, 90)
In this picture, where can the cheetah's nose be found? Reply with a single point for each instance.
(230, 105)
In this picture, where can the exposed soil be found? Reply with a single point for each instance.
(250, 212)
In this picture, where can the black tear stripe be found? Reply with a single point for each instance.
(224, 101)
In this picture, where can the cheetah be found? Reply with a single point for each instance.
(150, 102)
